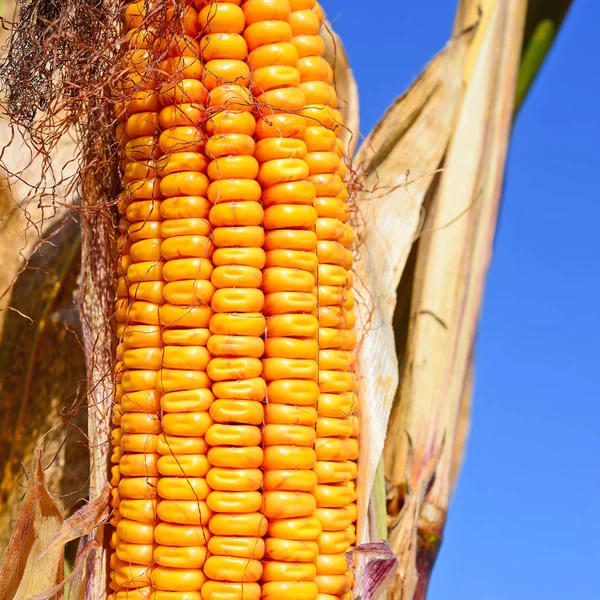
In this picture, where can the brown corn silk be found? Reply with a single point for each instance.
(235, 425)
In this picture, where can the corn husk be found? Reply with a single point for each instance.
(23, 574)
(452, 259)
(399, 160)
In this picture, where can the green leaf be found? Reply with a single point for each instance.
(544, 18)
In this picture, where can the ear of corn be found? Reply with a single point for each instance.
(235, 435)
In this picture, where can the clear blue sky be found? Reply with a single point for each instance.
(524, 522)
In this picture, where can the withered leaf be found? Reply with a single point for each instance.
(74, 584)
(399, 161)
(83, 521)
(374, 565)
(24, 573)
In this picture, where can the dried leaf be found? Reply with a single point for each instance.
(81, 581)
(41, 362)
(448, 287)
(23, 572)
(82, 522)
(399, 160)
(96, 309)
(405, 530)
(453, 256)
(74, 583)
(374, 565)
(34, 390)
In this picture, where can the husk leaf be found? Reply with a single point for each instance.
(41, 362)
(24, 573)
(83, 521)
(452, 260)
(36, 394)
(399, 161)
(96, 308)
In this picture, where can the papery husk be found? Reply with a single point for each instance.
(399, 161)
(463, 428)
(38, 395)
(452, 260)
(23, 573)
(96, 307)
(41, 362)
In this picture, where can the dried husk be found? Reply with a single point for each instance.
(96, 297)
(23, 574)
(399, 161)
(41, 363)
(452, 260)
(345, 87)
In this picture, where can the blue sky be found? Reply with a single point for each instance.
(523, 524)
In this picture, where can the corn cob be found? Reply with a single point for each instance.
(261, 178)
(336, 444)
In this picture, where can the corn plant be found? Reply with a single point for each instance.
(265, 389)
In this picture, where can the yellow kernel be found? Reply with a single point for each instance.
(233, 568)
(165, 578)
(298, 480)
(244, 547)
(183, 488)
(299, 590)
(249, 412)
(280, 457)
(170, 534)
(235, 502)
(186, 465)
(234, 480)
(220, 590)
(254, 524)
(233, 435)
(244, 458)
(288, 571)
(187, 401)
(252, 389)
(184, 512)
(176, 445)
(291, 550)
(190, 557)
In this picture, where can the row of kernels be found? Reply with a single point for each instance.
(185, 314)
(237, 526)
(147, 312)
(288, 281)
(138, 401)
(336, 450)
